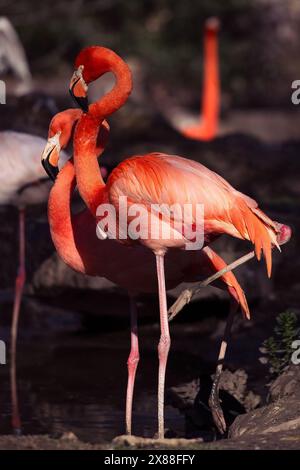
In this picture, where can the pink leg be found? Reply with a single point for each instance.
(20, 281)
(132, 363)
(164, 342)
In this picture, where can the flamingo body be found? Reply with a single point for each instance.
(168, 179)
(75, 239)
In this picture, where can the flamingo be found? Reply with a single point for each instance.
(157, 178)
(74, 236)
(207, 127)
(22, 183)
(13, 56)
(270, 126)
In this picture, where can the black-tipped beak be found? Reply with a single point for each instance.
(79, 89)
(82, 102)
(52, 171)
(50, 157)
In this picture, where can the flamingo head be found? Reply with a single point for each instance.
(86, 72)
(90, 64)
(78, 89)
(60, 131)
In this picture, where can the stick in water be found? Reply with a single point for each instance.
(187, 295)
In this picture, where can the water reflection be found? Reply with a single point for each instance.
(78, 382)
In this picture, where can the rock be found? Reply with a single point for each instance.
(284, 415)
(144, 443)
(54, 275)
(183, 396)
(192, 400)
(286, 385)
(235, 383)
(69, 436)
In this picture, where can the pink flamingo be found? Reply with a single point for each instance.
(157, 178)
(74, 236)
(209, 116)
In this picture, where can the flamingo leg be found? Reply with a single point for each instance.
(132, 363)
(20, 281)
(164, 342)
(214, 399)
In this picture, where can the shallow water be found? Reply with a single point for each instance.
(77, 382)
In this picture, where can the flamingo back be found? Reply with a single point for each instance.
(169, 179)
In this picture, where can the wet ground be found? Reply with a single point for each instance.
(77, 381)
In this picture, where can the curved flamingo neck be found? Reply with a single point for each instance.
(60, 217)
(97, 61)
(90, 183)
(207, 127)
(211, 82)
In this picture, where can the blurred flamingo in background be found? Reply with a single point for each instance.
(74, 236)
(22, 183)
(13, 57)
(207, 127)
(157, 178)
(269, 126)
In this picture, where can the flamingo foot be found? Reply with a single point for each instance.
(17, 432)
(216, 410)
(215, 406)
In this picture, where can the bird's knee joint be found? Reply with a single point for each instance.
(164, 344)
(133, 360)
(21, 278)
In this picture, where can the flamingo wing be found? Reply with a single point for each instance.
(169, 179)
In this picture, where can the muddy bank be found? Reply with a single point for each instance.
(277, 441)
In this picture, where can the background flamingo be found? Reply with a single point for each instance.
(75, 239)
(209, 115)
(158, 178)
(269, 126)
(13, 56)
(207, 127)
(22, 183)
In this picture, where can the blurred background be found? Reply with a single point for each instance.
(74, 330)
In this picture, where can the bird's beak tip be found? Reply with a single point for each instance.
(81, 101)
(78, 89)
(51, 170)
